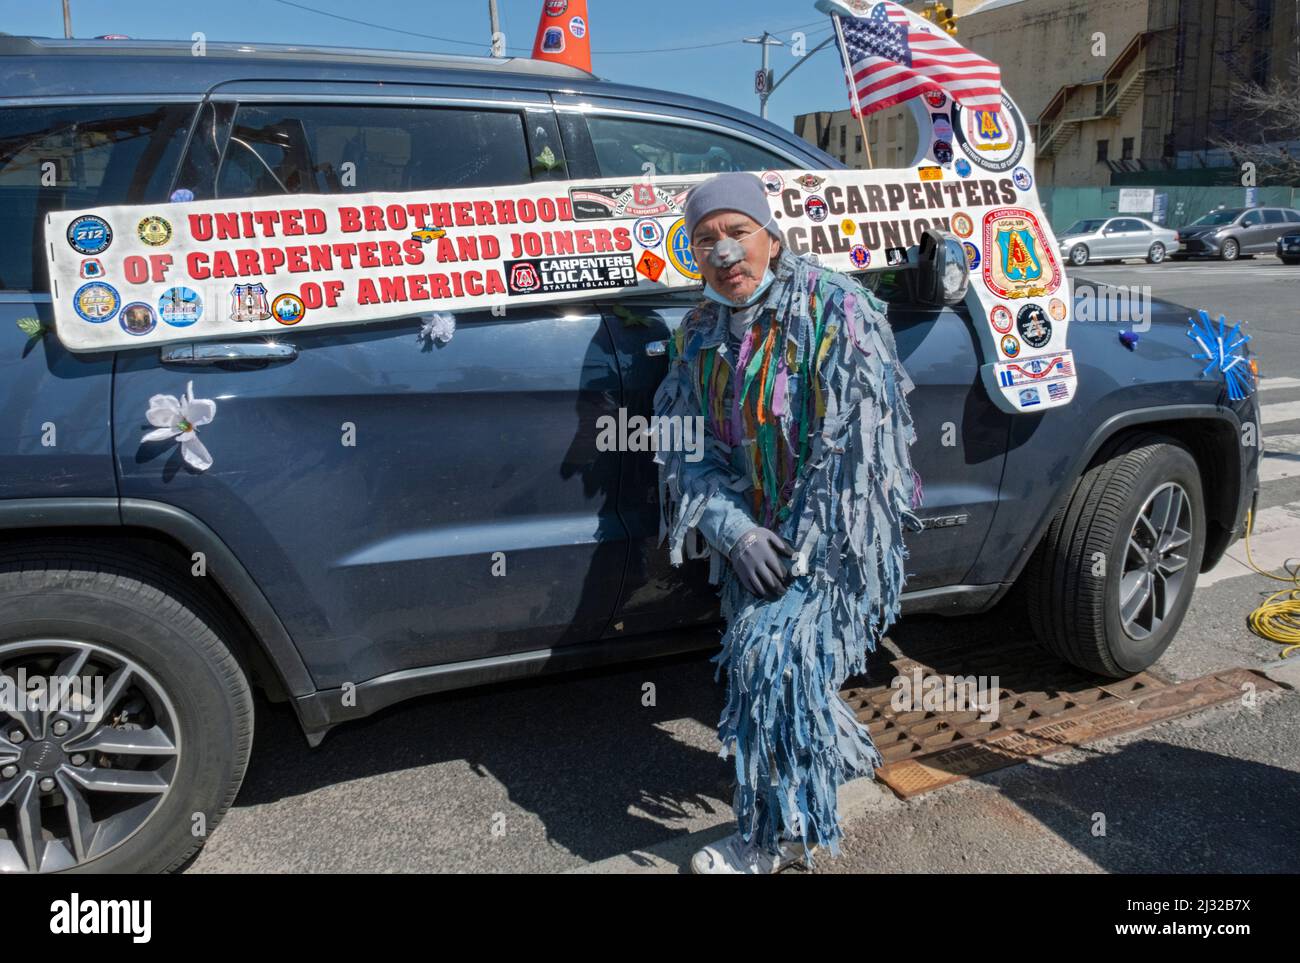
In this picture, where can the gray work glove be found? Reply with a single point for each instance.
(756, 557)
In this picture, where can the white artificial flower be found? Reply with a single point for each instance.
(439, 326)
(177, 418)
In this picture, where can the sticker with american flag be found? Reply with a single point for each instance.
(891, 55)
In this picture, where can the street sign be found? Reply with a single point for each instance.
(762, 81)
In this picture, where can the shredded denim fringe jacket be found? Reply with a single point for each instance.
(817, 451)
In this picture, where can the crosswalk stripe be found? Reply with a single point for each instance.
(1281, 458)
(1273, 384)
(1283, 411)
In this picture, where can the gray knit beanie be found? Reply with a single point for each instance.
(735, 191)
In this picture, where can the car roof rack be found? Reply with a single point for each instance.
(53, 46)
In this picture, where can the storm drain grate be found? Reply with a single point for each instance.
(1044, 706)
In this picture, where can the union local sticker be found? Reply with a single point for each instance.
(1018, 261)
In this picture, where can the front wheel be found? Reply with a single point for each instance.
(1079, 255)
(1156, 254)
(1110, 582)
(1230, 250)
(142, 737)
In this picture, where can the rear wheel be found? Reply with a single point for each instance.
(1156, 254)
(142, 738)
(1079, 255)
(1110, 582)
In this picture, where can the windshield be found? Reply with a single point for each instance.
(1216, 217)
(1086, 226)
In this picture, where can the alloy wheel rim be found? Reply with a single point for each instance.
(88, 752)
(1079, 256)
(1155, 561)
(1158, 253)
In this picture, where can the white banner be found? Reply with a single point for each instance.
(123, 277)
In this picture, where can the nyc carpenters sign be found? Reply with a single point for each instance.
(124, 277)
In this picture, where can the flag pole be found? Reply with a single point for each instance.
(853, 87)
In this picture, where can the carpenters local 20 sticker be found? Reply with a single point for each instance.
(124, 277)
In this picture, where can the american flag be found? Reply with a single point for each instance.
(892, 56)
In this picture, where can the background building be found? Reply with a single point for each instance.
(1119, 92)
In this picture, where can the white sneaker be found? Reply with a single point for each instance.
(734, 855)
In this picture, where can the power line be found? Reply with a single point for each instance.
(479, 45)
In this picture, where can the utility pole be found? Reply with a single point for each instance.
(494, 23)
(67, 19)
(763, 80)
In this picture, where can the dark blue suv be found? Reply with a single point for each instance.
(383, 522)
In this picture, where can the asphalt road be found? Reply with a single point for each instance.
(578, 774)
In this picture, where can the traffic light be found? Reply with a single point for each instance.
(940, 13)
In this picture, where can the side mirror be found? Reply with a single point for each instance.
(942, 274)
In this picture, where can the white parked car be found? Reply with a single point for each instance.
(1115, 238)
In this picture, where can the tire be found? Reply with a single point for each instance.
(1230, 251)
(188, 695)
(1156, 254)
(1073, 602)
(1290, 260)
(1079, 255)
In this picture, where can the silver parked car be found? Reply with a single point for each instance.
(1230, 232)
(1113, 238)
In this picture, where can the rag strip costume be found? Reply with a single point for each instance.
(807, 432)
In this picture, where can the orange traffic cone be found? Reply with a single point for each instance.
(563, 34)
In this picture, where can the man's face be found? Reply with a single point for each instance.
(738, 281)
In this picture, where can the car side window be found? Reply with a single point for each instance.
(1292, 217)
(59, 158)
(628, 148)
(1251, 219)
(1273, 216)
(360, 148)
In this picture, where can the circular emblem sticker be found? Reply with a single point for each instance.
(96, 302)
(288, 309)
(943, 151)
(1056, 308)
(1022, 179)
(679, 253)
(773, 182)
(1010, 346)
(935, 98)
(647, 232)
(180, 307)
(578, 27)
(555, 8)
(816, 208)
(848, 227)
(972, 255)
(860, 256)
(993, 140)
(138, 318)
(962, 167)
(1000, 318)
(962, 225)
(90, 234)
(1033, 326)
(154, 231)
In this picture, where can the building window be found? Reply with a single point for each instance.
(843, 135)
(857, 143)
(873, 130)
(1103, 151)
(1127, 148)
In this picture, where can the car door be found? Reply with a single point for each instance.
(1108, 240)
(1137, 237)
(1251, 231)
(401, 505)
(1274, 226)
(962, 435)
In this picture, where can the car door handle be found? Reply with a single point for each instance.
(240, 352)
(656, 349)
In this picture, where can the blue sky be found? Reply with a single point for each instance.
(722, 71)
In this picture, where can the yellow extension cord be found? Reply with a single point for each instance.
(1277, 621)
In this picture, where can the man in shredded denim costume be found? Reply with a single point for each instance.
(817, 452)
